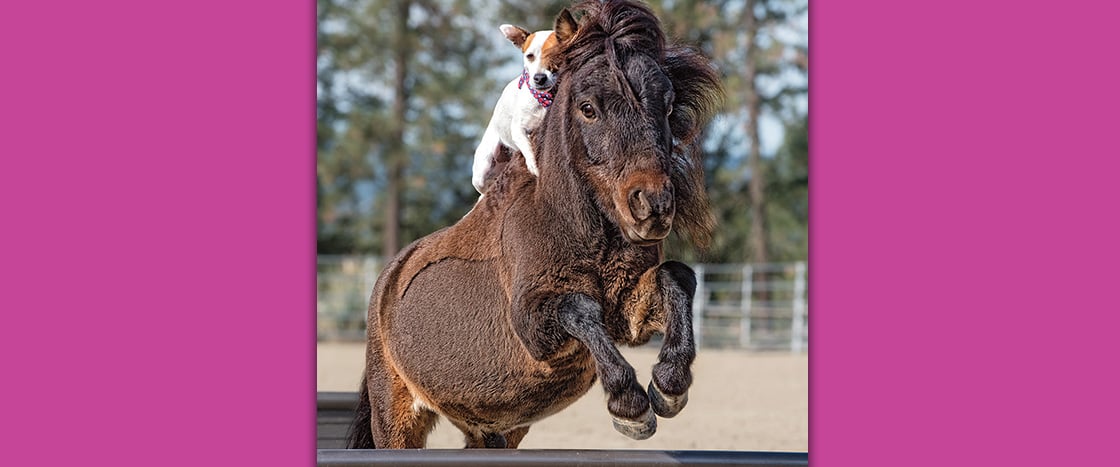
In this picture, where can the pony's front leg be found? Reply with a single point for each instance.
(665, 305)
(582, 317)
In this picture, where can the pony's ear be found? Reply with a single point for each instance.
(515, 34)
(565, 26)
(697, 90)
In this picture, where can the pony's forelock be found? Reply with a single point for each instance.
(626, 27)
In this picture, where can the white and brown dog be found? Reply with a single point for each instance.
(523, 103)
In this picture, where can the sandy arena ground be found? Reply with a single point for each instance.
(738, 401)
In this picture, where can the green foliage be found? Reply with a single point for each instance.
(447, 92)
(780, 64)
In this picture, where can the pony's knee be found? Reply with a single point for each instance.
(680, 275)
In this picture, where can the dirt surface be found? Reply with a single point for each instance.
(738, 401)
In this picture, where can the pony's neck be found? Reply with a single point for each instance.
(561, 190)
(565, 197)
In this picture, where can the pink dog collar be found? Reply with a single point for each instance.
(544, 98)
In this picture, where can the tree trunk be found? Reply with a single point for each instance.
(758, 246)
(758, 236)
(397, 154)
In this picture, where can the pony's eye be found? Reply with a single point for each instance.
(588, 111)
(669, 110)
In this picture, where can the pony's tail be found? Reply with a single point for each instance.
(360, 435)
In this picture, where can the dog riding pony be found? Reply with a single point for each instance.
(512, 314)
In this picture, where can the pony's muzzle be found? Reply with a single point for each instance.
(652, 208)
(645, 204)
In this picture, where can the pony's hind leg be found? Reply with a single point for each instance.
(475, 438)
(398, 422)
(514, 436)
(581, 316)
(479, 439)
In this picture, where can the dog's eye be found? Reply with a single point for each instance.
(531, 57)
(588, 110)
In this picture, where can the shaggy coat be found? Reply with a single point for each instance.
(511, 314)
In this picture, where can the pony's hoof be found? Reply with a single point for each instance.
(664, 405)
(642, 428)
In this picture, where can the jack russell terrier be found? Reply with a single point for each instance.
(523, 103)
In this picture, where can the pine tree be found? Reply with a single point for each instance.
(406, 87)
(401, 109)
(757, 47)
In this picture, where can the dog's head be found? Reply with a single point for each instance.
(540, 52)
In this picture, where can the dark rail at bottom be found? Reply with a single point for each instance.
(336, 410)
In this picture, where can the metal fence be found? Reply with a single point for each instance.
(746, 306)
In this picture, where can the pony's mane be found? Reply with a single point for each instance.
(617, 29)
(620, 29)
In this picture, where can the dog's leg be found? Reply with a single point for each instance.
(521, 141)
(482, 156)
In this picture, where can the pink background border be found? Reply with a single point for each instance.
(164, 267)
(156, 172)
(964, 233)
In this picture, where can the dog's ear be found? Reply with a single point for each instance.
(565, 26)
(514, 34)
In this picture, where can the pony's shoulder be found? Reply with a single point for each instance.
(476, 237)
(473, 238)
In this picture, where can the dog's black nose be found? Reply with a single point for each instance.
(539, 79)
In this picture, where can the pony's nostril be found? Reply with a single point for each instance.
(639, 205)
(645, 204)
(662, 202)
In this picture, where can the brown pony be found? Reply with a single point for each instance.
(511, 314)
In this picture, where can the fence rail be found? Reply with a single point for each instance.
(745, 306)
(336, 412)
(553, 457)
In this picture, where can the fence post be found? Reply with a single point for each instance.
(745, 306)
(798, 307)
(698, 303)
